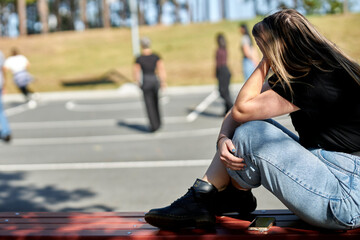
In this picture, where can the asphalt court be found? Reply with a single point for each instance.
(92, 152)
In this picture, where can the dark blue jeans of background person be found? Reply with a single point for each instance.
(150, 88)
(321, 187)
(223, 75)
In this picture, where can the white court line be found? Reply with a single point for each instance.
(64, 124)
(18, 109)
(89, 123)
(113, 138)
(102, 165)
(75, 107)
(202, 106)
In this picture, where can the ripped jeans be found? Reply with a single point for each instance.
(321, 187)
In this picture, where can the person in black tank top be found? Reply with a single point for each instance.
(150, 75)
(315, 174)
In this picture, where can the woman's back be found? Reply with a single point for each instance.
(148, 63)
(329, 115)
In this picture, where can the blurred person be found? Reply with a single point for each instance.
(222, 72)
(250, 58)
(318, 85)
(18, 65)
(150, 75)
(5, 133)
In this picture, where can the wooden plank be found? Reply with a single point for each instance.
(69, 214)
(119, 226)
(69, 220)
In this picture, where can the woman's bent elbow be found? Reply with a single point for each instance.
(237, 115)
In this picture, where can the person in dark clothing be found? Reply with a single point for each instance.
(222, 72)
(150, 75)
(319, 86)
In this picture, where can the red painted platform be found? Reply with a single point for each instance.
(122, 225)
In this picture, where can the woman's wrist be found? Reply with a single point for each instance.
(218, 140)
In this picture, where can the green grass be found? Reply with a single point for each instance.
(187, 50)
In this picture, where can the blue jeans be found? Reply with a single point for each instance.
(248, 68)
(5, 128)
(321, 187)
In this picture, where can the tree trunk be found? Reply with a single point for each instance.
(177, 11)
(295, 4)
(72, 14)
(58, 18)
(222, 9)
(21, 9)
(159, 5)
(82, 6)
(141, 16)
(188, 8)
(1, 20)
(123, 12)
(43, 10)
(105, 14)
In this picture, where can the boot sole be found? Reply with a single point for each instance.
(167, 222)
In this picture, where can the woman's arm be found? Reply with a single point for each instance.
(137, 73)
(255, 101)
(161, 73)
(253, 104)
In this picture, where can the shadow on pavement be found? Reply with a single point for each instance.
(31, 198)
(135, 126)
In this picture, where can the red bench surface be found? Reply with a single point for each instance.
(131, 225)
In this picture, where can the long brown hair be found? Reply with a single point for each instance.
(294, 46)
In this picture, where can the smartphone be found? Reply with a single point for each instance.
(261, 223)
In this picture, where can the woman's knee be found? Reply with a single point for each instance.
(252, 133)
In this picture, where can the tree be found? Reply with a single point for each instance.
(335, 6)
(21, 10)
(295, 2)
(105, 14)
(3, 21)
(82, 7)
(43, 10)
(177, 10)
(312, 6)
(222, 9)
(141, 16)
(159, 4)
(256, 9)
(125, 10)
(57, 14)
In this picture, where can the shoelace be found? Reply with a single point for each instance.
(180, 201)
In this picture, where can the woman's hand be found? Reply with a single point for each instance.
(226, 152)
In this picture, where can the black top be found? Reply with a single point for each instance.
(148, 63)
(329, 115)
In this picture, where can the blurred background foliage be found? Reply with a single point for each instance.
(70, 48)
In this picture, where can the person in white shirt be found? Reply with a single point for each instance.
(5, 132)
(18, 65)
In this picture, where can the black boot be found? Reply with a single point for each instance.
(194, 209)
(234, 200)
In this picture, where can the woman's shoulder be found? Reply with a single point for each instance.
(155, 55)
